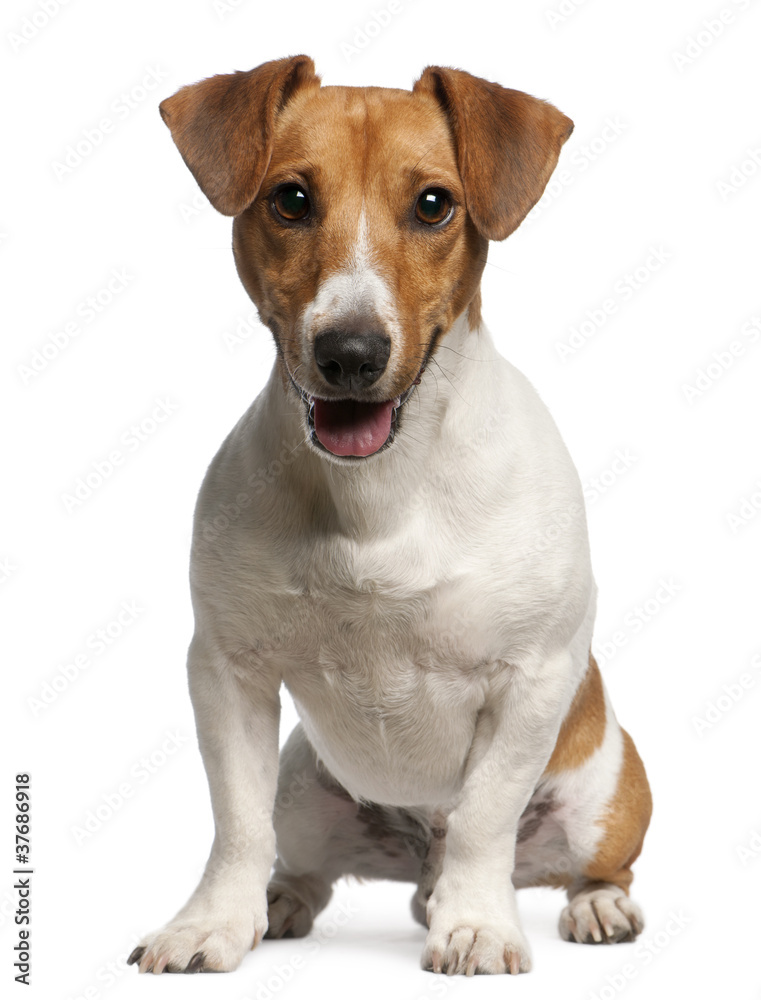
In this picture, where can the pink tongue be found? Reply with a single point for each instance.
(347, 427)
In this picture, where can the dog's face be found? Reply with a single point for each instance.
(359, 253)
(362, 219)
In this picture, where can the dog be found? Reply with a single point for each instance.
(396, 532)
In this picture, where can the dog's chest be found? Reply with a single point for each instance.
(403, 601)
(388, 653)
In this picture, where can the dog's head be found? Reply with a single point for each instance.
(362, 219)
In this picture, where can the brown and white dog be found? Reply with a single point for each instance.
(395, 531)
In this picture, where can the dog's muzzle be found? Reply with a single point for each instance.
(352, 427)
(352, 362)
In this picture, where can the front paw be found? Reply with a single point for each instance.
(474, 947)
(197, 946)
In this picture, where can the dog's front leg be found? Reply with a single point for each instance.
(472, 915)
(237, 711)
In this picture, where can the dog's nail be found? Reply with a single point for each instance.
(196, 962)
(136, 955)
(159, 966)
(515, 964)
(146, 962)
(436, 961)
(472, 966)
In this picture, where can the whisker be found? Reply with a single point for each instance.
(446, 376)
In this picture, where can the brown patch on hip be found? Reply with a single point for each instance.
(625, 822)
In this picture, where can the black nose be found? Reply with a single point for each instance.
(351, 360)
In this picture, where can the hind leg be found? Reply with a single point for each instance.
(585, 824)
(599, 907)
(322, 834)
(430, 868)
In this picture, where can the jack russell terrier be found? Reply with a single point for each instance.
(396, 532)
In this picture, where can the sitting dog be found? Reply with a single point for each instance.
(396, 532)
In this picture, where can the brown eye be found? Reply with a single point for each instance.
(434, 206)
(291, 202)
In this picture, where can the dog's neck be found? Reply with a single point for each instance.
(370, 496)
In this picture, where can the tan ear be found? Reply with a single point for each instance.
(507, 142)
(223, 127)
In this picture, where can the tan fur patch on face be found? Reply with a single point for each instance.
(360, 151)
(583, 728)
(625, 822)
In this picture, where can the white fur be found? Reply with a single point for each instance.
(431, 654)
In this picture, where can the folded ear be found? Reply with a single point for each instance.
(223, 127)
(507, 143)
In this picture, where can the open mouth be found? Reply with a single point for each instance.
(349, 428)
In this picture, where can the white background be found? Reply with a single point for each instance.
(685, 116)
